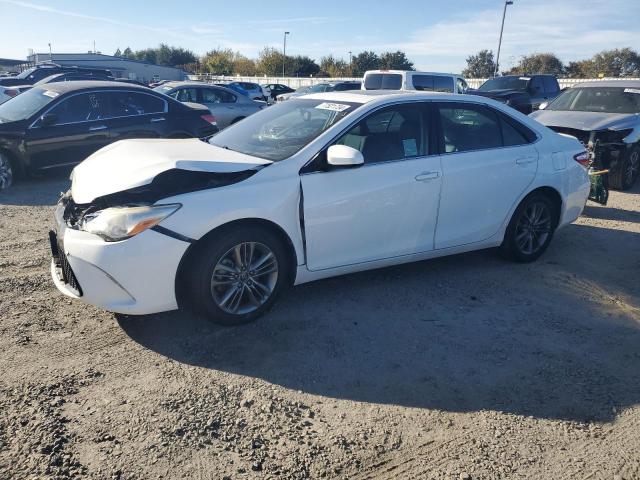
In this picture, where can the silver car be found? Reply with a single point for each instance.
(226, 105)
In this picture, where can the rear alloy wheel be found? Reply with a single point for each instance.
(624, 176)
(236, 277)
(6, 172)
(530, 230)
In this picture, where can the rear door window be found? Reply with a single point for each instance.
(443, 84)
(83, 107)
(212, 95)
(185, 95)
(422, 82)
(383, 81)
(536, 87)
(468, 127)
(551, 85)
(126, 104)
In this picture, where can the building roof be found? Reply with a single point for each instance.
(92, 57)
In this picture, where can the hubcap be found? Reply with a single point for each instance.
(6, 172)
(633, 165)
(533, 228)
(244, 278)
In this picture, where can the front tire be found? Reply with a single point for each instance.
(237, 276)
(6, 171)
(530, 229)
(624, 176)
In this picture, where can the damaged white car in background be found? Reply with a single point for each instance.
(324, 185)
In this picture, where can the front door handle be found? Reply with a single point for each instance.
(157, 119)
(525, 160)
(426, 176)
(97, 128)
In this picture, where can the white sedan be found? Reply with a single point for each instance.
(324, 185)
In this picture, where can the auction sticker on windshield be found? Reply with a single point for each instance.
(51, 94)
(632, 90)
(335, 107)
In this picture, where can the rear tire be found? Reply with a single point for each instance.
(7, 171)
(235, 277)
(625, 175)
(530, 230)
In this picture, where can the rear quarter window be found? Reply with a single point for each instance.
(383, 81)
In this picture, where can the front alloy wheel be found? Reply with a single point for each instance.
(6, 172)
(234, 276)
(244, 278)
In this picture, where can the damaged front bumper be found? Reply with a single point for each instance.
(134, 276)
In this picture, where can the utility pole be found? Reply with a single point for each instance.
(350, 64)
(504, 14)
(284, 52)
(50, 55)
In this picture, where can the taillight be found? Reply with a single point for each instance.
(583, 158)
(209, 118)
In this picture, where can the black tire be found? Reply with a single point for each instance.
(521, 228)
(626, 172)
(207, 264)
(7, 171)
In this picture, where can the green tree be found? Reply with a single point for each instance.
(117, 53)
(302, 66)
(270, 62)
(395, 61)
(219, 61)
(480, 65)
(539, 63)
(128, 53)
(147, 55)
(243, 66)
(579, 69)
(333, 67)
(365, 61)
(623, 62)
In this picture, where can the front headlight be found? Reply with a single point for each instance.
(118, 223)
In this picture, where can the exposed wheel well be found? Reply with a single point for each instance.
(192, 252)
(17, 166)
(553, 195)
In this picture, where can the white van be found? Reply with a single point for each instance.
(410, 80)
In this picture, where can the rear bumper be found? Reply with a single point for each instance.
(134, 276)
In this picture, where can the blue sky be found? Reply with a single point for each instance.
(437, 35)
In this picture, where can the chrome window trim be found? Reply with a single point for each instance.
(166, 108)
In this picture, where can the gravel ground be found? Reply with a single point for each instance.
(467, 367)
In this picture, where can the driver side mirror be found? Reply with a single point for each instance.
(48, 119)
(344, 156)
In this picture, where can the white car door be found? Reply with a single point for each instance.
(384, 208)
(487, 162)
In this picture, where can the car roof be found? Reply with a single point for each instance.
(414, 72)
(609, 83)
(367, 96)
(64, 87)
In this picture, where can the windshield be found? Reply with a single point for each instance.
(505, 83)
(25, 104)
(163, 89)
(598, 99)
(25, 74)
(280, 131)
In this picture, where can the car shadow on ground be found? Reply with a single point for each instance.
(555, 339)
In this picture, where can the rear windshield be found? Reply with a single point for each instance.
(505, 83)
(383, 81)
(598, 99)
(281, 130)
(25, 104)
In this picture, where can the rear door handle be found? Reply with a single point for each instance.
(525, 160)
(157, 119)
(97, 128)
(426, 176)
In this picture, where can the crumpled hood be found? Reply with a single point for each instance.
(496, 93)
(132, 163)
(587, 121)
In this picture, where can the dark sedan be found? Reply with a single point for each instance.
(63, 123)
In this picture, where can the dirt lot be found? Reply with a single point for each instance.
(464, 367)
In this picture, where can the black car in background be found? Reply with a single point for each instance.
(278, 89)
(39, 72)
(58, 77)
(525, 93)
(63, 123)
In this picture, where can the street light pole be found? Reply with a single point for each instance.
(504, 14)
(50, 56)
(284, 52)
(350, 62)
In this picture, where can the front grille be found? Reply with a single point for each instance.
(62, 264)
